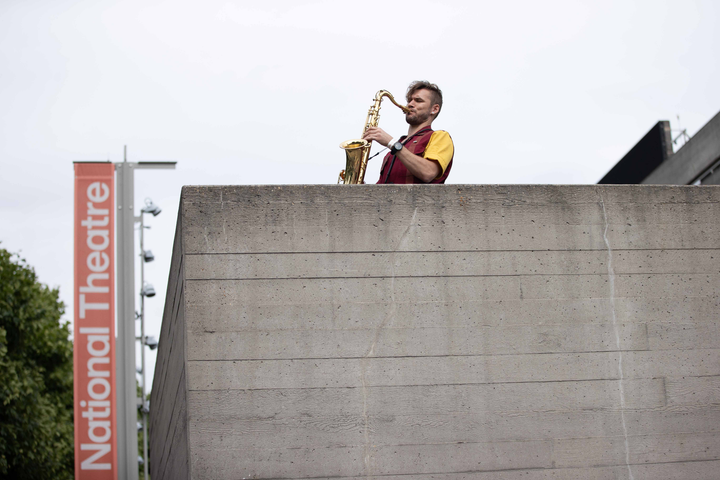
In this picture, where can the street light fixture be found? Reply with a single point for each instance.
(147, 291)
(148, 256)
(151, 342)
(150, 207)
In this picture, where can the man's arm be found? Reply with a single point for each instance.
(424, 169)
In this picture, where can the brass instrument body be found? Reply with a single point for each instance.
(357, 151)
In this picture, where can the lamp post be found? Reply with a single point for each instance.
(125, 351)
(147, 290)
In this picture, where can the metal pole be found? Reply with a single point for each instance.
(142, 344)
(125, 373)
(125, 351)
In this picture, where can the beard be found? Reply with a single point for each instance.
(414, 118)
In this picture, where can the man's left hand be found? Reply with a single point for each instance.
(377, 134)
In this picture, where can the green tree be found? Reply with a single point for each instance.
(36, 377)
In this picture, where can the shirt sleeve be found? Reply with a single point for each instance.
(440, 148)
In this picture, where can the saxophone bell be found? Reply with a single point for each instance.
(354, 152)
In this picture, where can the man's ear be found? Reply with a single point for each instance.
(435, 109)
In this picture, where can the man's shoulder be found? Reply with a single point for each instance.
(440, 136)
(440, 146)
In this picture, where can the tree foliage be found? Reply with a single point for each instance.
(36, 377)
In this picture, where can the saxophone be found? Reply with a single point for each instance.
(357, 150)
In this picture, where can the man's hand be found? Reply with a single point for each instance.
(377, 134)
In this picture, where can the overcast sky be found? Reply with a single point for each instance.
(241, 92)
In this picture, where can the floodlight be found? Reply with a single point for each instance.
(150, 207)
(147, 291)
(148, 256)
(151, 342)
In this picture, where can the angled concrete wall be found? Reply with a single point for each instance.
(169, 453)
(441, 332)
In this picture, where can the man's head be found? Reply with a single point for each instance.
(425, 102)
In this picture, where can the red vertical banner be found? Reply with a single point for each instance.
(94, 323)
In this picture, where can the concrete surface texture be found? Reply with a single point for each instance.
(441, 332)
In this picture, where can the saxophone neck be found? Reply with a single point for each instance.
(374, 112)
(385, 93)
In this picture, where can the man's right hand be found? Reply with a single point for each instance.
(377, 134)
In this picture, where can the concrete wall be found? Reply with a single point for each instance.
(442, 332)
(169, 455)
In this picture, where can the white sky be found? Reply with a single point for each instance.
(249, 93)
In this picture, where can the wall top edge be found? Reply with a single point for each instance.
(454, 185)
(517, 194)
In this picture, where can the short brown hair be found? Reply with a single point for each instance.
(424, 84)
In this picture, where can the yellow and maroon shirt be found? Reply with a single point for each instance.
(433, 145)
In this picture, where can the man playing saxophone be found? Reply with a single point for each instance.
(423, 155)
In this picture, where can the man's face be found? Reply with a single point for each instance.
(421, 107)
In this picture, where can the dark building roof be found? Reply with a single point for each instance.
(651, 160)
(654, 148)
